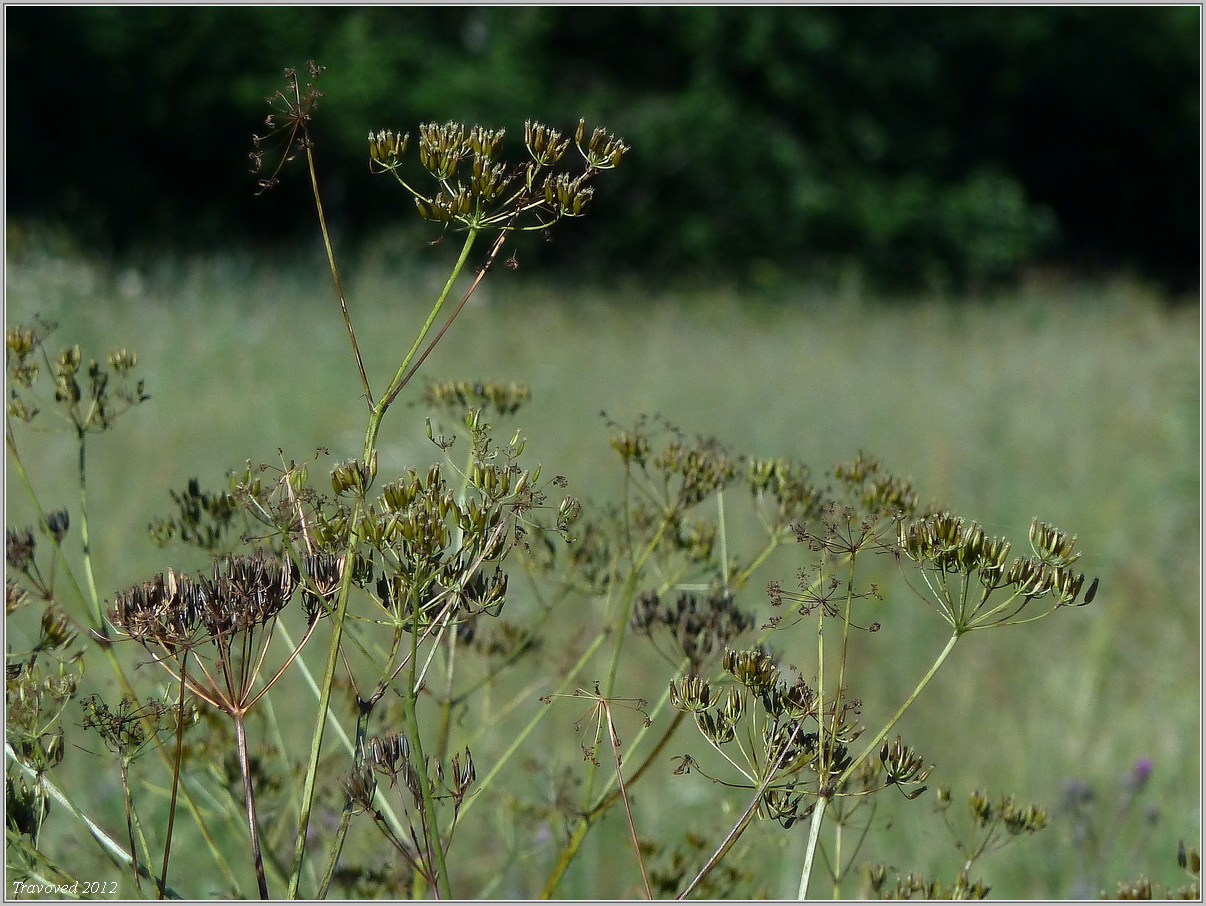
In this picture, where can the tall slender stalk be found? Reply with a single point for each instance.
(431, 825)
(249, 800)
(324, 701)
(171, 822)
(85, 541)
(330, 252)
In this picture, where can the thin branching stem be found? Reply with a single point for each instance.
(405, 371)
(743, 822)
(330, 250)
(887, 728)
(481, 273)
(614, 739)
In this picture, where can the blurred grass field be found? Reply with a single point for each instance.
(1074, 402)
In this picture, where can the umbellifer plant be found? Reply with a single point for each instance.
(404, 580)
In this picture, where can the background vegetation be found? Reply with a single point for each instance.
(939, 148)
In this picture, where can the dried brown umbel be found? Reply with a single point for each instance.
(212, 634)
(697, 626)
(289, 123)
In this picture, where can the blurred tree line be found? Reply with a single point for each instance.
(922, 147)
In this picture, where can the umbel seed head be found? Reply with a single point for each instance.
(386, 148)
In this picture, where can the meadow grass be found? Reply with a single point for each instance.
(1072, 402)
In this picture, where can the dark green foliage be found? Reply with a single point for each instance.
(931, 147)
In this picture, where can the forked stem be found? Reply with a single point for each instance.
(743, 822)
(818, 811)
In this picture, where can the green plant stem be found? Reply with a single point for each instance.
(345, 820)
(814, 832)
(818, 809)
(97, 624)
(361, 730)
(443, 736)
(481, 273)
(171, 822)
(324, 701)
(402, 376)
(740, 578)
(879, 738)
(838, 874)
(450, 644)
(814, 835)
(93, 597)
(123, 763)
(724, 539)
